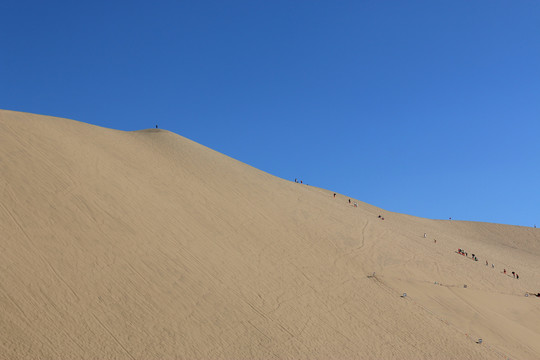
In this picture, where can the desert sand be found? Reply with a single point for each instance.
(146, 245)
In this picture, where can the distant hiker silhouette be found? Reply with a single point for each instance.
(156, 126)
(334, 195)
(349, 201)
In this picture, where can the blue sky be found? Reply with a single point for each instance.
(430, 108)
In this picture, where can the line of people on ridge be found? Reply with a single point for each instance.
(355, 204)
(515, 275)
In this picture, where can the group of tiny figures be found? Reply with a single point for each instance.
(514, 274)
(355, 204)
(464, 253)
(475, 258)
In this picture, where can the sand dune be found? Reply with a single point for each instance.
(146, 245)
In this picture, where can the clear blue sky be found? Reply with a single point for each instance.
(430, 108)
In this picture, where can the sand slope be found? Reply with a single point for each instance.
(146, 245)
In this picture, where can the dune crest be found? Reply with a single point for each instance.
(143, 245)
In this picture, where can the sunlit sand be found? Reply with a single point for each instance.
(146, 245)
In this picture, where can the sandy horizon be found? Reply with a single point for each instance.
(147, 245)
